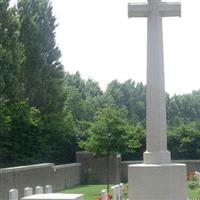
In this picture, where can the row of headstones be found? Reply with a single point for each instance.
(116, 191)
(14, 194)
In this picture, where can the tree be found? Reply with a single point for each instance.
(92, 88)
(185, 106)
(108, 134)
(75, 95)
(136, 142)
(184, 140)
(11, 54)
(20, 134)
(58, 138)
(44, 74)
(17, 118)
(130, 95)
(44, 79)
(83, 97)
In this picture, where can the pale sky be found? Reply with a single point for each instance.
(97, 39)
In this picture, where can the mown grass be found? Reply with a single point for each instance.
(92, 192)
(194, 194)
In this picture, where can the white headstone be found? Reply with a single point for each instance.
(28, 191)
(114, 193)
(121, 187)
(13, 194)
(118, 191)
(39, 190)
(48, 189)
(104, 195)
(157, 178)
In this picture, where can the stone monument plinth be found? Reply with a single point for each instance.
(157, 182)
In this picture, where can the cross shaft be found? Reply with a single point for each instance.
(156, 141)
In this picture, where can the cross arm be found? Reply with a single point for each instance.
(170, 9)
(165, 9)
(138, 10)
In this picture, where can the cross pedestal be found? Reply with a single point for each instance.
(157, 178)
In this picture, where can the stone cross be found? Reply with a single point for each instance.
(156, 143)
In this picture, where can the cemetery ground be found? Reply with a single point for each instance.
(194, 194)
(92, 192)
(194, 188)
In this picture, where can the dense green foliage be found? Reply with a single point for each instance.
(11, 54)
(130, 95)
(45, 112)
(35, 125)
(43, 73)
(109, 134)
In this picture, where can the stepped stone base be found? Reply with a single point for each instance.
(157, 182)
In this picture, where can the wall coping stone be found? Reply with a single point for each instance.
(67, 165)
(24, 168)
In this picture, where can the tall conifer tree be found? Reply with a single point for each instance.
(44, 80)
(44, 73)
(11, 54)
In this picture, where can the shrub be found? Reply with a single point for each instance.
(193, 185)
(194, 179)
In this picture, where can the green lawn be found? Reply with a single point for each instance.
(91, 192)
(194, 194)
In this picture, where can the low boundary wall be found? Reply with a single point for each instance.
(60, 177)
(66, 176)
(90, 169)
(93, 168)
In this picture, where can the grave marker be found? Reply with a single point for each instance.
(39, 190)
(48, 189)
(114, 193)
(104, 195)
(13, 194)
(28, 191)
